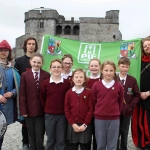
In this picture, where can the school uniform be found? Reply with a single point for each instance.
(22, 64)
(52, 98)
(108, 101)
(68, 77)
(89, 84)
(91, 80)
(131, 98)
(30, 104)
(79, 110)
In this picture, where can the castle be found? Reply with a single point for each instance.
(41, 21)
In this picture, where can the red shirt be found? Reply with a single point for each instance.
(53, 96)
(108, 101)
(79, 107)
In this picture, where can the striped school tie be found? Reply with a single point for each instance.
(122, 82)
(36, 80)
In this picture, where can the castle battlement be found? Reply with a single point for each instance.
(41, 21)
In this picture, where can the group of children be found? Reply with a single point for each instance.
(75, 107)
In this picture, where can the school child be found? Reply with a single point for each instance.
(108, 101)
(30, 104)
(67, 62)
(79, 112)
(131, 98)
(52, 95)
(94, 67)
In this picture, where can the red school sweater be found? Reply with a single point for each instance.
(89, 83)
(108, 101)
(79, 107)
(53, 96)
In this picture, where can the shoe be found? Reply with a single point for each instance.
(26, 147)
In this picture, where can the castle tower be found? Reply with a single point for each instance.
(100, 29)
(41, 21)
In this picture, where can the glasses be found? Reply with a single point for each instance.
(65, 63)
(56, 67)
(148, 45)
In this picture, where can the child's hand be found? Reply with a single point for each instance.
(24, 115)
(82, 128)
(76, 128)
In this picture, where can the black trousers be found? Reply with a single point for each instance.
(25, 138)
(123, 132)
(36, 131)
(93, 137)
(82, 146)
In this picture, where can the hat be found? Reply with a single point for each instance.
(5, 45)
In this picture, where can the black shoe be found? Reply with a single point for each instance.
(25, 147)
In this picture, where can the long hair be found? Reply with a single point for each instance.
(142, 42)
(25, 44)
(111, 63)
(10, 57)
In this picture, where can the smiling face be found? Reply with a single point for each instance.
(94, 67)
(67, 64)
(146, 47)
(4, 54)
(56, 69)
(78, 78)
(36, 63)
(108, 72)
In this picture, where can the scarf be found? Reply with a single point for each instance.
(146, 58)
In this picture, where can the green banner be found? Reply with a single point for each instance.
(82, 52)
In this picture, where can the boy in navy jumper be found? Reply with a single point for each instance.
(131, 98)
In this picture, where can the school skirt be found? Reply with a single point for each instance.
(79, 137)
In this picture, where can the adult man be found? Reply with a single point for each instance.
(9, 85)
(141, 115)
(22, 64)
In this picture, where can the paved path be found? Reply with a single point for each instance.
(12, 139)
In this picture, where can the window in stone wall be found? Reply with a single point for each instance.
(76, 30)
(67, 29)
(41, 24)
(59, 29)
(114, 36)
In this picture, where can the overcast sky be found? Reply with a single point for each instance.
(134, 16)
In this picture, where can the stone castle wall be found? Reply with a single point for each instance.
(41, 21)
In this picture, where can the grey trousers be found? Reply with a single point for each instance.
(56, 128)
(36, 131)
(106, 133)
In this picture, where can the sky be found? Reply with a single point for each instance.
(134, 15)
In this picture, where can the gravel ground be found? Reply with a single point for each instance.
(12, 139)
